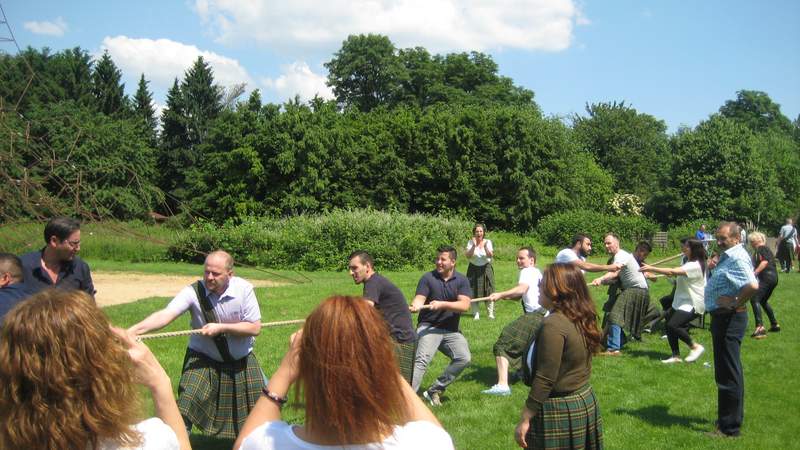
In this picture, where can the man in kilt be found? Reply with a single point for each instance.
(387, 298)
(221, 379)
(513, 341)
(628, 303)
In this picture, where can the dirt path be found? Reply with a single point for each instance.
(114, 288)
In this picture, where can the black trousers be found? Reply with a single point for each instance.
(760, 298)
(678, 328)
(727, 331)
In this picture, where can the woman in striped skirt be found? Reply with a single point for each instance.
(561, 411)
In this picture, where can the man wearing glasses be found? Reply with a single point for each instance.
(57, 264)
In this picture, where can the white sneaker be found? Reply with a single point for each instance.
(695, 353)
(672, 360)
(432, 398)
(491, 315)
(664, 336)
(477, 316)
(498, 390)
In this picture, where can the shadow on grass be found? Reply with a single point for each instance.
(200, 442)
(650, 354)
(483, 374)
(658, 415)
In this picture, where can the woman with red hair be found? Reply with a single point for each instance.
(561, 410)
(343, 367)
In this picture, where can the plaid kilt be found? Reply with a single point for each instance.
(481, 280)
(404, 355)
(216, 396)
(628, 310)
(515, 338)
(569, 422)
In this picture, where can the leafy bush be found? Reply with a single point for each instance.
(323, 242)
(558, 229)
(688, 229)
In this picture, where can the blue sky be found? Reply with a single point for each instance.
(676, 60)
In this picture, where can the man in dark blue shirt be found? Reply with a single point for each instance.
(12, 290)
(57, 264)
(441, 296)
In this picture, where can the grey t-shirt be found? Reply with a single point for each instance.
(629, 275)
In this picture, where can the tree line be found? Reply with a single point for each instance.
(408, 131)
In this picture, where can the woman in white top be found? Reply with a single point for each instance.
(479, 272)
(67, 380)
(345, 372)
(688, 300)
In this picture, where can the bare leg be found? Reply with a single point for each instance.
(502, 370)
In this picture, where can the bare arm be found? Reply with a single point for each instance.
(515, 292)
(417, 302)
(471, 248)
(592, 267)
(266, 409)
(745, 293)
(460, 305)
(155, 321)
(607, 278)
(417, 409)
(669, 271)
(761, 266)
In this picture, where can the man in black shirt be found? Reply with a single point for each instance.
(441, 296)
(57, 264)
(388, 299)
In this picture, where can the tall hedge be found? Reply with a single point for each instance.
(558, 229)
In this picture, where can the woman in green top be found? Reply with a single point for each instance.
(561, 410)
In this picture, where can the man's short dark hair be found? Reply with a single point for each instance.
(580, 237)
(12, 265)
(644, 245)
(447, 249)
(363, 256)
(60, 227)
(531, 252)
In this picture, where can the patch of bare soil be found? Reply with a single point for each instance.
(114, 288)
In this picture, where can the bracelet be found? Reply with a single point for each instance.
(274, 397)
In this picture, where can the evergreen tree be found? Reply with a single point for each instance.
(143, 111)
(108, 92)
(174, 152)
(202, 100)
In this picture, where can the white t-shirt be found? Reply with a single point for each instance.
(629, 275)
(788, 233)
(479, 257)
(237, 304)
(419, 435)
(568, 255)
(530, 299)
(156, 435)
(690, 289)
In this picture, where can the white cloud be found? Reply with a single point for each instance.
(439, 25)
(50, 28)
(162, 60)
(298, 79)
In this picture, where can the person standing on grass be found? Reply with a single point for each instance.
(787, 239)
(387, 298)
(479, 272)
(767, 273)
(561, 410)
(445, 294)
(687, 302)
(221, 378)
(731, 284)
(57, 264)
(626, 309)
(576, 255)
(517, 335)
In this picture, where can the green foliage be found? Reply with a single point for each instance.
(558, 229)
(323, 242)
(630, 145)
(688, 229)
(109, 93)
(757, 111)
(144, 113)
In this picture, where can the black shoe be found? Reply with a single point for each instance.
(775, 328)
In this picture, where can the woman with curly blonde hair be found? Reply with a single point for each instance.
(347, 378)
(67, 380)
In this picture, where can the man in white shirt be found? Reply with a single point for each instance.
(787, 239)
(576, 254)
(626, 309)
(517, 335)
(221, 379)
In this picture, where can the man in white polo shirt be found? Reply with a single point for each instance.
(221, 379)
(517, 335)
(577, 252)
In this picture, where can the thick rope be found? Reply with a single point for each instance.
(198, 331)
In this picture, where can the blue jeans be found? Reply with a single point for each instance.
(451, 343)
(614, 338)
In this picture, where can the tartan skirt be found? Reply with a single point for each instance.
(516, 336)
(569, 422)
(628, 310)
(216, 396)
(404, 355)
(481, 280)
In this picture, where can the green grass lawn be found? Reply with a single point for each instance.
(644, 404)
